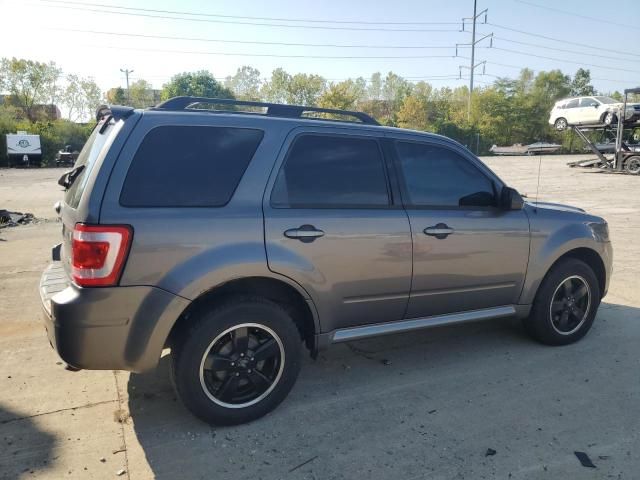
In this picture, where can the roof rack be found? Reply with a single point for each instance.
(272, 109)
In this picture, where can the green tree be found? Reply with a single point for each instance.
(29, 83)
(245, 84)
(117, 96)
(343, 95)
(81, 96)
(581, 84)
(195, 84)
(299, 89)
(414, 112)
(141, 94)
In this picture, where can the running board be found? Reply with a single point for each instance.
(356, 333)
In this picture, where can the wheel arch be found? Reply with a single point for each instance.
(292, 297)
(592, 259)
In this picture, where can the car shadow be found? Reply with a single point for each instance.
(360, 390)
(26, 450)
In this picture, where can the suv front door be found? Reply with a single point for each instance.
(588, 111)
(468, 253)
(332, 225)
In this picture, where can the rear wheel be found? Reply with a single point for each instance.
(561, 124)
(566, 304)
(238, 361)
(632, 165)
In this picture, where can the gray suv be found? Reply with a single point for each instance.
(237, 233)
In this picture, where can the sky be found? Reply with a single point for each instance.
(356, 38)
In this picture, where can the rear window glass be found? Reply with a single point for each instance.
(87, 157)
(181, 166)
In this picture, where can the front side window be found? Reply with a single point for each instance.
(331, 171)
(436, 176)
(180, 166)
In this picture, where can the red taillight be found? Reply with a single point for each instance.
(98, 253)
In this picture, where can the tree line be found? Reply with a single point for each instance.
(504, 112)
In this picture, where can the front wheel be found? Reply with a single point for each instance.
(566, 304)
(561, 124)
(238, 361)
(610, 118)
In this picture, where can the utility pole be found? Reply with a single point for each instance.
(126, 72)
(472, 66)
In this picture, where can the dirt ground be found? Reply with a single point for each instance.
(425, 405)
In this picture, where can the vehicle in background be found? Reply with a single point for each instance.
(532, 149)
(66, 157)
(23, 150)
(594, 110)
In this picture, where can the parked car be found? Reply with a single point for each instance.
(236, 238)
(594, 110)
(66, 157)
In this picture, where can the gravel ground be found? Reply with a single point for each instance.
(426, 405)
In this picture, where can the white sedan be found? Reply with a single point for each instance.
(594, 110)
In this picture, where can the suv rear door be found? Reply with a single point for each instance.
(467, 253)
(333, 226)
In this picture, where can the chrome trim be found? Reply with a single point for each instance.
(355, 333)
(426, 293)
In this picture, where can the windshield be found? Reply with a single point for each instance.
(87, 160)
(606, 100)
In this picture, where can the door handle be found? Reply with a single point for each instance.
(440, 231)
(304, 233)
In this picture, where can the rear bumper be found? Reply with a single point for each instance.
(111, 328)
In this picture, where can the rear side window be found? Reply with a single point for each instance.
(183, 166)
(572, 104)
(332, 171)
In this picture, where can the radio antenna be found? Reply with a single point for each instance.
(538, 185)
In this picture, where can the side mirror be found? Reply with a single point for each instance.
(510, 199)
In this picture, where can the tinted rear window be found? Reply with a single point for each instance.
(180, 166)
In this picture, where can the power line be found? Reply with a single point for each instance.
(562, 41)
(200, 39)
(234, 22)
(235, 54)
(273, 19)
(517, 52)
(574, 14)
(575, 52)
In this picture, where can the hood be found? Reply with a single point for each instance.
(555, 206)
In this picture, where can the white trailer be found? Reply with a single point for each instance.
(23, 149)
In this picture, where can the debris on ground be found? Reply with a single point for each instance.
(584, 459)
(102, 459)
(13, 219)
(303, 464)
(121, 472)
(121, 416)
(490, 452)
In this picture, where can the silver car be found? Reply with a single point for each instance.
(237, 239)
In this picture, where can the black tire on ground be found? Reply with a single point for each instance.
(632, 165)
(250, 382)
(561, 124)
(565, 305)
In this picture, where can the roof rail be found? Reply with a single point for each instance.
(272, 109)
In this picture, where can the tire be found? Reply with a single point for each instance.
(229, 335)
(632, 165)
(561, 124)
(549, 322)
(610, 118)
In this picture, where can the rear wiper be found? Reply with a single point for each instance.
(67, 178)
